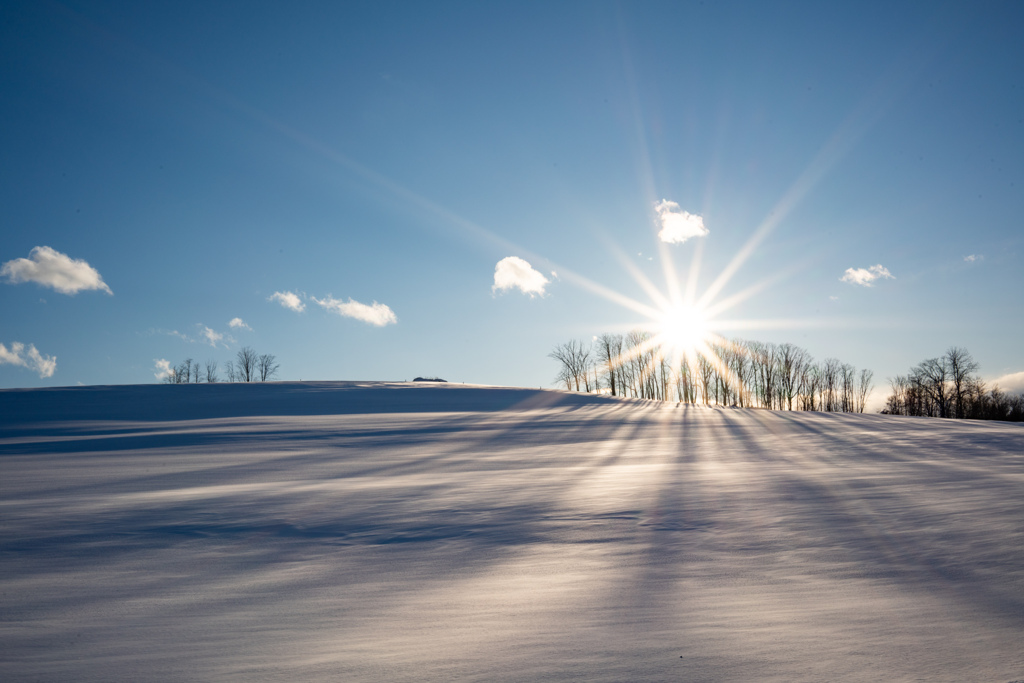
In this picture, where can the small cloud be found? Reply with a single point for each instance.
(833, 298)
(865, 276)
(50, 268)
(163, 368)
(212, 337)
(239, 324)
(28, 357)
(288, 300)
(677, 225)
(974, 257)
(513, 272)
(374, 314)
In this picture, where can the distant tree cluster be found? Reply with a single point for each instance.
(947, 386)
(740, 373)
(248, 366)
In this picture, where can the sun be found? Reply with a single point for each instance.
(683, 328)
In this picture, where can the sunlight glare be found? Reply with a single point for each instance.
(683, 328)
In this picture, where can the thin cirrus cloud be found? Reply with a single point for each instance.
(28, 357)
(513, 272)
(50, 268)
(866, 276)
(374, 314)
(205, 335)
(288, 300)
(677, 225)
(239, 324)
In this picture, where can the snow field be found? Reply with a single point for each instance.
(373, 531)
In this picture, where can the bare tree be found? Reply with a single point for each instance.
(266, 366)
(934, 373)
(247, 364)
(705, 373)
(740, 366)
(740, 373)
(810, 386)
(183, 372)
(848, 379)
(946, 387)
(961, 367)
(608, 349)
(685, 384)
(575, 359)
(830, 384)
(211, 372)
(791, 365)
(864, 388)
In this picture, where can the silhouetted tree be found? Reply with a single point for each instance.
(247, 364)
(946, 387)
(266, 366)
(961, 366)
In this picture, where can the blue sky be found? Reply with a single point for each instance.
(196, 159)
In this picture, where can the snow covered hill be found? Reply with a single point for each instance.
(407, 532)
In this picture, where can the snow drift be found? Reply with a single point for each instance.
(375, 531)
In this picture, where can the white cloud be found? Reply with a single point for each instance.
(374, 314)
(865, 276)
(971, 258)
(28, 357)
(512, 271)
(288, 300)
(833, 298)
(211, 337)
(1012, 383)
(239, 324)
(163, 368)
(677, 225)
(50, 268)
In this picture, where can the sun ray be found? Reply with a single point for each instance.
(723, 305)
(645, 283)
(694, 274)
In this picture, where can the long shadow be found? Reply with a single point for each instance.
(363, 444)
(884, 543)
(359, 518)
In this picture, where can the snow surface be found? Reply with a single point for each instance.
(409, 532)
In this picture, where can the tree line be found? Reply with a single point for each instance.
(948, 386)
(736, 372)
(248, 366)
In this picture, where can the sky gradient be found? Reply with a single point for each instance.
(386, 190)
